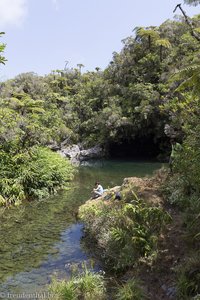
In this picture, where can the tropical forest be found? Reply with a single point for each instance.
(134, 128)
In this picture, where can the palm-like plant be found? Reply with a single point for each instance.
(163, 44)
(149, 34)
(80, 66)
(23, 104)
(190, 77)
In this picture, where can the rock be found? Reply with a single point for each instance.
(133, 181)
(107, 195)
(76, 155)
(64, 143)
(94, 152)
(72, 152)
(145, 188)
(54, 146)
(169, 291)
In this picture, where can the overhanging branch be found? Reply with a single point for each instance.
(189, 23)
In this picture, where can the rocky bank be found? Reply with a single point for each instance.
(158, 277)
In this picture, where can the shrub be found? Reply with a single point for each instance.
(179, 193)
(124, 232)
(176, 191)
(187, 162)
(34, 173)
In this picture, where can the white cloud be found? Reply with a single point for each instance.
(12, 12)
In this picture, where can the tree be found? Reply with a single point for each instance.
(163, 44)
(192, 2)
(149, 34)
(80, 66)
(194, 33)
(97, 69)
(2, 48)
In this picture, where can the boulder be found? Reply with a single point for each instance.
(108, 194)
(76, 155)
(94, 152)
(64, 143)
(72, 152)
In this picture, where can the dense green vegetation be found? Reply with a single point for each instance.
(87, 285)
(148, 94)
(130, 103)
(124, 232)
(154, 93)
(92, 286)
(33, 173)
(28, 169)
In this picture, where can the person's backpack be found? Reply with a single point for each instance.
(118, 196)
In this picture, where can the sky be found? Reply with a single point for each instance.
(46, 35)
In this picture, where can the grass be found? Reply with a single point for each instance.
(131, 290)
(85, 286)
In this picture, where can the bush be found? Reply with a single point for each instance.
(124, 232)
(187, 162)
(178, 192)
(34, 173)
(192, 220)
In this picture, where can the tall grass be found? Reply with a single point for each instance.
(131, 290)
(85, 286)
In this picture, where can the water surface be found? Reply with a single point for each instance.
(41, 239)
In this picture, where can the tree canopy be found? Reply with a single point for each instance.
(131, 102)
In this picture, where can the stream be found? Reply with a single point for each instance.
(41, 239)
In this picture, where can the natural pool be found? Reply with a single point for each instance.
(41, 239)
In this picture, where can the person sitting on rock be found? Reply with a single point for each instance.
(98, 190)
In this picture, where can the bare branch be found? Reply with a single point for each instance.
(189, 23)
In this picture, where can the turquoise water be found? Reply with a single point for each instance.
(41, 239)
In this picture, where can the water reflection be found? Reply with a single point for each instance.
(57, 263)
(42, 238)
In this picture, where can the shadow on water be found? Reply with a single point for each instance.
(42, 238)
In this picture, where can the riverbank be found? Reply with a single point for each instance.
(41, 238)
(139, 238)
